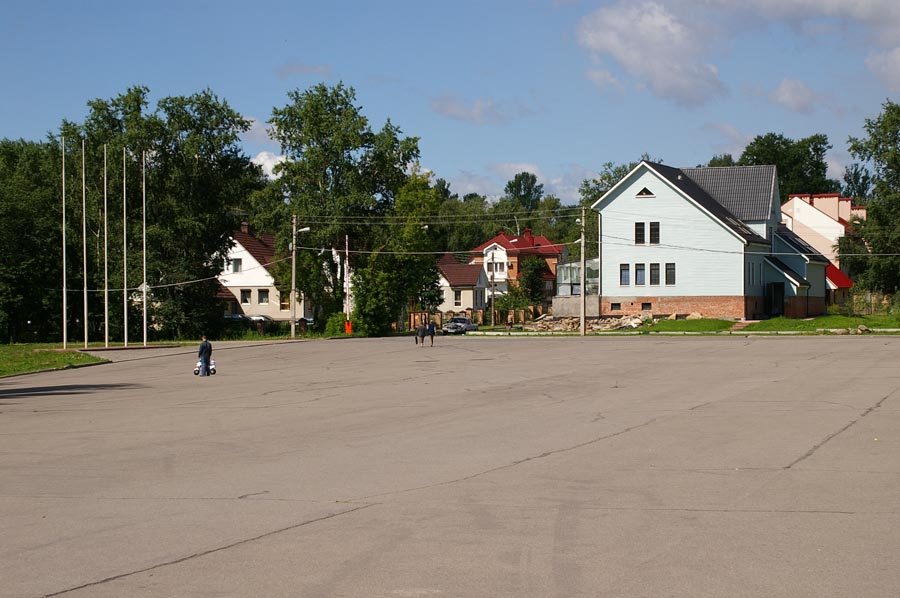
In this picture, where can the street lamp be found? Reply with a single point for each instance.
(305, 229)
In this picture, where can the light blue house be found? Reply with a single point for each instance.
(703, 240)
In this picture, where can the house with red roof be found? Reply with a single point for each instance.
(246, 282)
(502, 255)
(463, 284)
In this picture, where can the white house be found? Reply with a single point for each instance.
(463, 285)
(700, 240)
(249, 282)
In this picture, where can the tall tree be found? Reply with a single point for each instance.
(338, 177)
(876, 262)
(801, 164)
(721, 160)
(857, 182)
(524, 191)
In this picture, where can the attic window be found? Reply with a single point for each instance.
(645, 193)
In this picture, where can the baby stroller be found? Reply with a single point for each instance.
(212, 368)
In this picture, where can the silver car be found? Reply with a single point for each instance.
(459, 325)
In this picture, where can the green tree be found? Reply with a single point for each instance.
(721, 160)
(801, 163)
(339, 177)
(531, 279)
(877, 238)
(524, 191)
(857, 182)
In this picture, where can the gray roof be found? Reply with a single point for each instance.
(796, 243)
(679, 179)
(745, 191)
(786, 270)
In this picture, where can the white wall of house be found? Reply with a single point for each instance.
(813, 226)
(755, 271)
(708, 257)
(813, 272)
(469, 297)
(252, 286)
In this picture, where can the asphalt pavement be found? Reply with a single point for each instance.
(630, 466)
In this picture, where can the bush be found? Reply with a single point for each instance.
(335, 324)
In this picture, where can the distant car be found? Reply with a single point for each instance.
(235, 318)
(459, 325)
(260, 318)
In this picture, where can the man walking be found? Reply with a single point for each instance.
(205, 354)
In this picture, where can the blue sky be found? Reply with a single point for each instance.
(492, 88)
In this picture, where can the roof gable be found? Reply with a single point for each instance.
(261, 248)
(459, 274)
(524, 244)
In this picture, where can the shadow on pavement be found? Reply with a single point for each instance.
(62, 390)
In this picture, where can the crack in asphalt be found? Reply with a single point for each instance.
(509, 465)
(205, 552)
(836, 433)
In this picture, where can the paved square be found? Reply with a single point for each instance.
(627, 466)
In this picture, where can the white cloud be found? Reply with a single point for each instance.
(268, 160)
(795, 96)
(654, 47)
(603, 78)
(257, 132)
(482, 111)
(290, 69)
(467, 181)
(733, 140)
(886, 67)
(508, 170)
(835, 167)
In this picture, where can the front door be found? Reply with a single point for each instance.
(775, 299)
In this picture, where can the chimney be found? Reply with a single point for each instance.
(529, 238)
(245, 227)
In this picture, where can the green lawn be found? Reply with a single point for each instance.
(687, 326)
(21, 359)
(829, 321)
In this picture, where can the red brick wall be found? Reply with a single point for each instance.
(710, 307)
(803, 307)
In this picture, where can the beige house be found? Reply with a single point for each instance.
(463, 285)
(248, 284)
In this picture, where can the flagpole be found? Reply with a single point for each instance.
(105, 256)
(144, 193)
(124, 253)
(84, 241)
(65, 309)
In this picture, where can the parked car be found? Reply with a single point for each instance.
(459, 325)
(260, 318)
(236, 318)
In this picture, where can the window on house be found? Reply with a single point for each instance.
(670, 273)
(624, 274)
(284, 301)
(639, 274)
(263, 296)
(654, 233)
(245, 296)
(639, 233)
(645, 193)
(654, 273)
(501, 267)
(236, 265)
(457, 298)
(615, 307)
(646, 307)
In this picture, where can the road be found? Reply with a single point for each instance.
(626, 467)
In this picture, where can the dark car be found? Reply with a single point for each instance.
(459, 325)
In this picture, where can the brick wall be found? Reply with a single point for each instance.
(729, 307)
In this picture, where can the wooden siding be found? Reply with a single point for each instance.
(708, 257)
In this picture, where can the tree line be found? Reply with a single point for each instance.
(349, 181)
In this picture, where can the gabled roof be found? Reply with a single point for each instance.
(837, 278)
(745, 191)
(686, 185)
(459, 274)
(262, 248)
(795, 242)
(787, 271)
(524, 244)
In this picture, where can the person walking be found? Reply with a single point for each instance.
(205, 355)
(431, 331)
(420, 333)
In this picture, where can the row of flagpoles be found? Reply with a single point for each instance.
(65, 308)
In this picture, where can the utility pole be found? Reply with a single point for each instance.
(583, 277)
(493, 269)
(84, 241)
(294, 276)
(65, 307)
